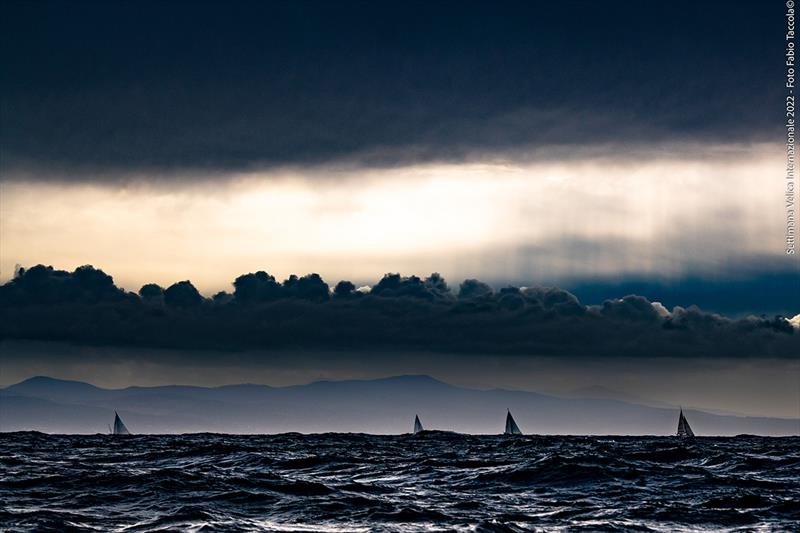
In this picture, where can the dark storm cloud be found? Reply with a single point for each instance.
(98, 88)
(399, 313)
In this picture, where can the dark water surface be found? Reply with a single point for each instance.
(428, 482)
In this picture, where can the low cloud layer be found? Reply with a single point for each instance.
(397, 313)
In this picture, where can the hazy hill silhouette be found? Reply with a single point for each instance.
(385, 405)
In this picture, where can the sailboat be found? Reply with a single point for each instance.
(683, 426)
(417, 424)
(119, 426)
(511, 426)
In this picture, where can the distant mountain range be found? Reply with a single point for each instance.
(371, 406)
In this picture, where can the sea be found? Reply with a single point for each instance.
(433, 481)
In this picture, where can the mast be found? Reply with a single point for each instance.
(511, 425)
(417, 424)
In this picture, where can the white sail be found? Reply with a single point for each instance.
(417, 424)
(119, 426)
(511, 426)
(683, 426)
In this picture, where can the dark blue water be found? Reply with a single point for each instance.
(397, 483)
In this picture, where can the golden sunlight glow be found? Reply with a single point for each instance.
(532, 221)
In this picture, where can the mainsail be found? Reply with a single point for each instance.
(417, 424)
(119, 426)
(511, 426)
(683, 426)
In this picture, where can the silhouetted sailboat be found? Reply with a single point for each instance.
(683, 426)
(417, 424)
(119, 426)
(511, 426)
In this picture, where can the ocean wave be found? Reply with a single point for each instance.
(438, 481)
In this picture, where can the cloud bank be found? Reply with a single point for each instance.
(397, 313)
(93, 90)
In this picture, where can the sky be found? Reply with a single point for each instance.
(601, 148)
(517, 143)
(551, 223)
